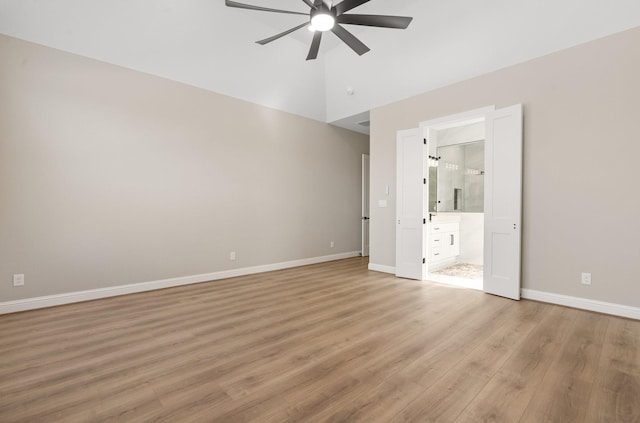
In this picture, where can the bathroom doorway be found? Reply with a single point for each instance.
(455, 231)
(416, 243)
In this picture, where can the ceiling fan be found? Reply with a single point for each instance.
(323, 17)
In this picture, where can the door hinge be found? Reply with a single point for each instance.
(425, 181)
(425, 141)
(424, 221)
(424, 260)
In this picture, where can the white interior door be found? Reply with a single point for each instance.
(410, 204)
(365, 206)
(503, 202)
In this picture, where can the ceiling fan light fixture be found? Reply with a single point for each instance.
(322, 22)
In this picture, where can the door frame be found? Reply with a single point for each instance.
(457, 119)
(447, 122)
(364, 239)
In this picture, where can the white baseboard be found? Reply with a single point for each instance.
(382, 268)
(583, 303)
(94, 294)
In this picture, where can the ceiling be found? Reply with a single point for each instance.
(208, 45)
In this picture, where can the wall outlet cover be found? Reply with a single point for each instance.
(18, 280)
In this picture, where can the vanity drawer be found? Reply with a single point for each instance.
(436, 240)
(436, 253)
(436, 228)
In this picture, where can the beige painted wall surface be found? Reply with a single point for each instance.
(581, 155)
(110, 177)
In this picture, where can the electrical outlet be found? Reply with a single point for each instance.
(332, 244)
(18, 280)
(232, 255)
(586, 278)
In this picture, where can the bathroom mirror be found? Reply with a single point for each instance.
(460, 178)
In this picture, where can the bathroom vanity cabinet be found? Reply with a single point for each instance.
(444, 243)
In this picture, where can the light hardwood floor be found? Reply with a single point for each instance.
(331, 342)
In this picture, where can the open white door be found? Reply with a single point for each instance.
(365, 206)
(410, 205)
(503, 202)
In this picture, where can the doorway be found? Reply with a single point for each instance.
(416, 242)
(455, 192)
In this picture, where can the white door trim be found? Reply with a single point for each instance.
(446, 122)
(364, 247)
(458, 119)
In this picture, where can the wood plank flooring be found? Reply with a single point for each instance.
(332, 342)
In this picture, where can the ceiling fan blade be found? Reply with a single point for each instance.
(346, 5)
(350, 40)
(399, 22)
(282, 34)
(315, 46)
(263, 9)
(309, 3)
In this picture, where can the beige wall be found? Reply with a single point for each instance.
(581, 160)
(109, 176)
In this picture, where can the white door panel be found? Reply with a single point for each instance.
(410, 205)
(503, 202)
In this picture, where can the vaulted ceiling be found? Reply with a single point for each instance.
(206, 44)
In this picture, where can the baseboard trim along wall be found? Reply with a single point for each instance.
(382, 268)
(564, 300)
(94, 294)
(583, 303)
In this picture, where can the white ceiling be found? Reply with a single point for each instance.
(206, 44)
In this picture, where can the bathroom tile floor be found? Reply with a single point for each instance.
(461, 270)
